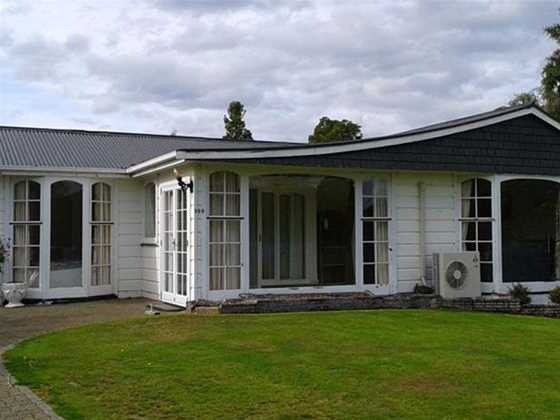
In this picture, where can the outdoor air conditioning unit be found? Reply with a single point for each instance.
(457, 275)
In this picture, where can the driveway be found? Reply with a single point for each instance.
(18, 402)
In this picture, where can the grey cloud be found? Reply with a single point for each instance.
(389, 66)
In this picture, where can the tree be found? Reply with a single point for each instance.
(550, 83)
(526, 98)
(328, 130)
(234, 124)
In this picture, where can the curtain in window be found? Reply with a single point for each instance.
(224, 231)
(375, 232)
(26, 235)
(101, 234)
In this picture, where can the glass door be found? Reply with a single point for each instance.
(66, 239)
(175, 231)
(282, 235)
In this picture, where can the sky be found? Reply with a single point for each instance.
(159, 66)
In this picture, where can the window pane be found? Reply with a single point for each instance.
(484, 188)
(217, 182)
(368, 231)
(369, 274)
(368, 207)
(34, 256)
(216, 204)
(484, 208)
(368, 187)
(32, 278)
(467, 188)
(232, 255)
(96, 192)
(484, 231)
(20, 236)
(233, 230)
(34, 190)
(216, 231)
(382, 274)
(232, 182)
(20, 215)
(382, 231)
(216, 278)
(382, 252)
(469, 246)
(233, 278)
(34, 211)
(369, 253)
(216, 254)
(232, 205)
(19, 257)
(469, 231)
(380, 187)
(486, 275)
(468, 208)
(381, 209)
(34, 234)
(19, 191)
(485, 250)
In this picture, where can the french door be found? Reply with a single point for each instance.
(176, 287)
(284, 228)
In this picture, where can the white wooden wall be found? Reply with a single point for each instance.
(441, 226)
(130, 233)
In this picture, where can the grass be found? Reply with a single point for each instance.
(378, 364)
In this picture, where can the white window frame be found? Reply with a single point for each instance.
(224, 218)
(391, 286)
(107, 223)
(26, 223)
(486, 286)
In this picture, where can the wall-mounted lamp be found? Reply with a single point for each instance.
(182, 184)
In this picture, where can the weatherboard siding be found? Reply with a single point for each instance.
(440, 223)
(129, 228)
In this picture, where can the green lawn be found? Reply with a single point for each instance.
(378, 364)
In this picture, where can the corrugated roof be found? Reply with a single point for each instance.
(45, 147)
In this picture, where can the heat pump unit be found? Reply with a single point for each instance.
(457, 275)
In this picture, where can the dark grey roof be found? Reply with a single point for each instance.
(466, 120)
(45, 147)
(59, 148)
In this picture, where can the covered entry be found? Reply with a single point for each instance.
(530, 230)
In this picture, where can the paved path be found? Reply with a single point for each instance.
(18, 402)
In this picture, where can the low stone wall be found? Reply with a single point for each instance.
(325, 302)
(482, 305)
(349, 301)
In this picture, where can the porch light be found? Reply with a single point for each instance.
(182, 184)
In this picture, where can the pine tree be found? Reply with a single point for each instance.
(234, 124)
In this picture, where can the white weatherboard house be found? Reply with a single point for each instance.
(181, 218)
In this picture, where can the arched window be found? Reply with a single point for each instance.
(101, 223)
(150, 211)
(225, 231)
(476, 222)
(26, 232)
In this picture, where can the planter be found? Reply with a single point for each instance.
(14, 293)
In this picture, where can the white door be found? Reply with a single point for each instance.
(175, 235)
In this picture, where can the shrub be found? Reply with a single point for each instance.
(554, 295)
(422, 289)
(520, 293)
